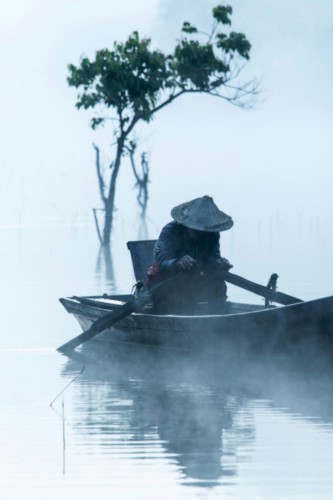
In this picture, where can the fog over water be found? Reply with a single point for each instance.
(142, 426)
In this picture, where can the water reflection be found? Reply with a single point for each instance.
(144, 409)
(191, 427)
(203, 420)
(104, 269)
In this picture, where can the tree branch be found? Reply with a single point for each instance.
(141, 181)
(168, 101)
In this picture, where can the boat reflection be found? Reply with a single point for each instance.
(190, 413)
(161, 407)
(193, 427)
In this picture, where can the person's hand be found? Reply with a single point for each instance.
(186, 263)
(224, 263)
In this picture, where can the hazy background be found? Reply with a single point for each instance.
(270, 168)
(129, 429)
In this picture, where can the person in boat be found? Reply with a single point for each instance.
(189, 249)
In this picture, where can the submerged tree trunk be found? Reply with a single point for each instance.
(109, 202)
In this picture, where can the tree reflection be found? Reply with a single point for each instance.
(104, 269)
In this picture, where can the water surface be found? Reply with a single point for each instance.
(138, 423)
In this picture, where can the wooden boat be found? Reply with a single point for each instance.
(298, 327)
(244, 326)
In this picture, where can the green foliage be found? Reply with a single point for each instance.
(95, 122)
(196, 65)
(222, 14)
(128, 78)
(188, 28)
(135, 80)
(235, 42)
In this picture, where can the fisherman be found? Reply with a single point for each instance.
(188, 249)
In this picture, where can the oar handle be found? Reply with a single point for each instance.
(263, 291)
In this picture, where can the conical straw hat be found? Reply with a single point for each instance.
(202, 214)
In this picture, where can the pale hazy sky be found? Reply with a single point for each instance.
(274, 161)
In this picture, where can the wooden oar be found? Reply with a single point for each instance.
(263, 291)
(106, 321)
(109, 319)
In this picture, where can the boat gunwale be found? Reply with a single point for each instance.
(92, 301)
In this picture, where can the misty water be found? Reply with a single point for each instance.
(143, 424)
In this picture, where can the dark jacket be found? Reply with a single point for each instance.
(174, 242)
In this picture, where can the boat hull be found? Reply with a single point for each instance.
(302, 327)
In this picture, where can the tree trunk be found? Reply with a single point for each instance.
(110, 200)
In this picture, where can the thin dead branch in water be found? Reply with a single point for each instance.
(69, 383)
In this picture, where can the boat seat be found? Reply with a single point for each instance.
(142, 257)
